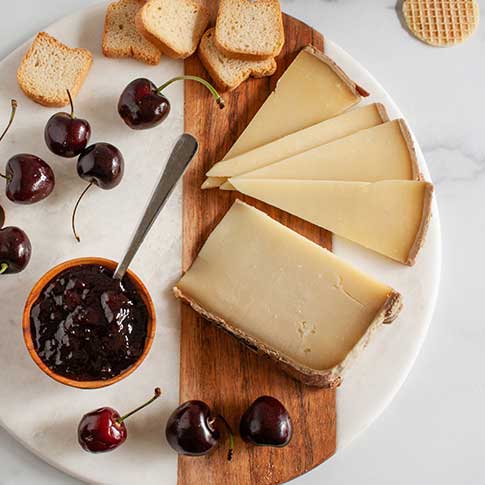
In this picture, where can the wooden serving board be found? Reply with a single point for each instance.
(214, 367)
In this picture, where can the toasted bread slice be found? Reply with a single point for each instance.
(122, 39)
(250, 29)
(227, 73)
(49, 68)
(174, 26)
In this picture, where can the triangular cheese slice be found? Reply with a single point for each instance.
(312, 89)
(389, 217)
(301, 141)
(384, 152)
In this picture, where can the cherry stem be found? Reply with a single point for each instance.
(71, 103)
(200, 80)
(74, 212)
(10, 121)
(158, 393)
(3, 267)
(230, 453)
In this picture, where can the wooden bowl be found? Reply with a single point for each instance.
(34, 295)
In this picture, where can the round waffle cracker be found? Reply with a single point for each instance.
(441, 22)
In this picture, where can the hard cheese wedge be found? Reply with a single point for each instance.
(311, 90)
(285, 296)
(383, 152)
(389, 217)
(301, 141)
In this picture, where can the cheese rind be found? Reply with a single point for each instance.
(285, 296)
(311, 90)
(327, 131)
(389, 217)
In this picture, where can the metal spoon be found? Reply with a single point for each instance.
(182, 154)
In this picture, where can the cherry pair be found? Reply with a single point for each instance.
(99, 164)
(193, 430)
(28, 180)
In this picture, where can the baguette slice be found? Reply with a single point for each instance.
(227, 73)
(174, 26)
(122, 39)
(250, 29)
(49, 68)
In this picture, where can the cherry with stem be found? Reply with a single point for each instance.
(65, 134)
(193, 430)
(100, 164)
(29, 179)
(142, 104)
(104, 429)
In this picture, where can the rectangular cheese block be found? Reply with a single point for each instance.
(285, 296)
(301, 141)
(390, 217)
(384, 152)
(312, 89)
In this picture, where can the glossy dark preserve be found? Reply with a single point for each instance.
(29, 179)
(190, 429)
(101, 164)
(67, 136)
(15, 250)
(100, 431)
(87, 326)
(141, 107)
(266, 423)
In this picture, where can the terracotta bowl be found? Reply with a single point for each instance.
(33, 297)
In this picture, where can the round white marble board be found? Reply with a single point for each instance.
(43, 414)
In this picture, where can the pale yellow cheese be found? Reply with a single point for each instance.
(301, 141)
(383, 152)
(311, 90)
(389, 217)
(276, 286)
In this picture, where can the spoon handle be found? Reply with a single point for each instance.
(182, 154)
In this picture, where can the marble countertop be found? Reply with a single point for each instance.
(433, 431)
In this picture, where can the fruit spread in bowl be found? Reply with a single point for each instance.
(84, 326)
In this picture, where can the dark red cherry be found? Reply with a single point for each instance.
(101, 164)
(266, 423)
(192, 430)
(104, 429)
(29, 179)
(142, 105)
(15, 250)
(101, 430)
(66, 135)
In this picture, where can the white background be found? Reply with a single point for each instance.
(433, 432)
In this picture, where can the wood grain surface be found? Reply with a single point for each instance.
(214, 367)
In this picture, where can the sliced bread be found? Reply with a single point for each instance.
(250, 29)
(49, 68)
(174, 26)
(122, 39)
(227, 73)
